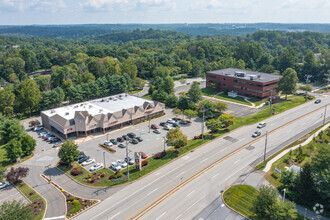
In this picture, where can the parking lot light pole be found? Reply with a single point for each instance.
(104, 158)
(127, 160)
(164, 142)
(203, 124)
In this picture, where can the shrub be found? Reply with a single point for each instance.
(160, 155)
(89, 180)
(286, 160)
(144, 163)
(118, 175)
(103, 175)
(92, 180)
(111, 177)
(98, 177)
(76, 171)
(176, 151)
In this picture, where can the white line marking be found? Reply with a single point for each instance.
(190, 193)
(237, 161)
(215, 175)
(58, 217)
(195, 203)
(180, 174)
(178, 217)
(152, 191)
(224, 149)
(203, 160)
(114, 216)
(157, 174)
(160, 216)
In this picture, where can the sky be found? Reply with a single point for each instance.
(28, 12)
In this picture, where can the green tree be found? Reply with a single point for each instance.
(7, 98)
(214, 125)
(190, 113)
(14, 149)
(305, 185)
(28, 144)
(44, 82)
(288, 82)
(129, 67)
(171, 101)
(195, 93)
(68, 152)
(11, 129)
(186, 67)
(283, 210)
(306, 89)
(2, 173)
(310, 65)
(28, 96)
(177, 112)
(176, 138)
(286, 60)
(183, 102)
(15, 210)
(226, 120)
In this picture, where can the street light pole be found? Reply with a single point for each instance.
(149, 124)
(203, 124)
(127, 160)
(265, 148)
(107, 137)
(284, 195)
(325, 112)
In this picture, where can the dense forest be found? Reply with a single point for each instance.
(85, 68)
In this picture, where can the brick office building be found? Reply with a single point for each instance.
(248, 83)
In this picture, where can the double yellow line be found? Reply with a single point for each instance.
(143, 211)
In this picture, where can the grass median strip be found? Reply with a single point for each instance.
(38, 203)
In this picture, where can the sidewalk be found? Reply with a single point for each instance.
(269, 164)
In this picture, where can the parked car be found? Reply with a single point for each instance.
(129, 160)
(41, 134)
(57, 144)
(120, 139)
(4, 184)
(153, 126)
(170, 121)
(140, 139)
(162, 124)
(256, 134)
(134, 141)
(122, 145)
(131, 135)
(115, 167)
(39, 128)
(89, 161)
(126, 138)
(261, 125)
(83, 159)
(53, 139)
(108, 143)
(96, 166)
(317, 101)
(143, 155)
(114, 141)
(157, 131)
(81, 154)
(168, 127)
(122, 163)
(176, 125)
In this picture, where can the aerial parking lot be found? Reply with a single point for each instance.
(152, 142)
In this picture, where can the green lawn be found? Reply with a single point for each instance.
(33, 196)
(147, 96)
(241, 198)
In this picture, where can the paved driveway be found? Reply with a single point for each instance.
(152, 143)
(10, 193)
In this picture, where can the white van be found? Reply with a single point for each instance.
(261, 125)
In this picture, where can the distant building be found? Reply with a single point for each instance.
(248, 83)
(104, 114)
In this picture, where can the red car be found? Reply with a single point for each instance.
(153, 126)
(143, 155)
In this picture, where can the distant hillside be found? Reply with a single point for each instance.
(94, 30)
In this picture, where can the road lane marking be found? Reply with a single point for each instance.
(190, 193)
(57, 217)
(203, 160)
(114, 215)
(180, 174)
(157, 174)
(215, 175)
(178, 217)
(237, 161)
(224, 149)
(195, 203)
(152, 191)
(160, 216)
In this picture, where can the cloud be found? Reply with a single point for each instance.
(306, 4)
(125, 5)
(34, 5)
(223, 4)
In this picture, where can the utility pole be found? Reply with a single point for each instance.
(149, 124)
(265, 148)
(127, 160)
(325, 112)
(104, 158)
(164, 142)
(203, 124)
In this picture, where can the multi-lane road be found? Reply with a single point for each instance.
(183, 188)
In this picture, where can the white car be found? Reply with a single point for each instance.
(89, 161)
(108, 143)
(129, 160)
(96, 166)
(38, 128)
(122, 163)
(261, 125)
(168, 127)
(4, 184)
(115, 166)
(171, 121)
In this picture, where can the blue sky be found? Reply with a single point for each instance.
(25, 12)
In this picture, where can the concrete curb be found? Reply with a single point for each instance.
(270, 163)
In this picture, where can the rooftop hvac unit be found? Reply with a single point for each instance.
(76, 106)
(101, 110)
(102, 100)
(52, 111)
(114, 99)
(119, 96)
(66, 113)
(90, 106)
(110, 98)
(125, 95)
(81, 104)
(239, 74)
